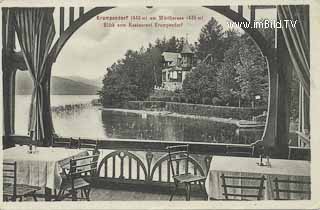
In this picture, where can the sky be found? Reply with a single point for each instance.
(94, 47)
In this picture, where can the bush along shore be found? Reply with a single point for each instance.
(69, 108)
(240, 113)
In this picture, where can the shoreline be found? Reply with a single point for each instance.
(173, 114)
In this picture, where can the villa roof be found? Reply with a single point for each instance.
(171, 57)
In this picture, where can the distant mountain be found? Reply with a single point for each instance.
(94, 82)
(59, 86)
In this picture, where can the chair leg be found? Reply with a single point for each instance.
(48, 194)
(74, 195)
(13, 198)
(200, 185)
(174, 191)
(87, 193)
(89, 190)
(204, 190)
(188, 189)
(55, 194)
(82, 191)
(59, 195)
(34, 197)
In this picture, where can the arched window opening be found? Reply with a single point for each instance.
(247, 103)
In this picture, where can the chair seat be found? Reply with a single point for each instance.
(184, 178)
(22, 189)
(78, 184)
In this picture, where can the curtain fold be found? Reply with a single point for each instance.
(297, 40)
(35, 31)
(298, 45)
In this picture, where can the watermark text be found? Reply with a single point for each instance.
(264, 24)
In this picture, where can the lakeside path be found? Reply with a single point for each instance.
(173, 114)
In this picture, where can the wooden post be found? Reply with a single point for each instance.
(81, 11)
(8, 77)
(61, 20)
(8, 81)
(240, 10)
(252, 14)
(71, 15)
(283, 96)
(49, 130)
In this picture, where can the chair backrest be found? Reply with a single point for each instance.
(83, 166)
(176, 155)
(10, 175)
(88, 145)
(67, 143)
(299, 184)
(299, 153)
(240, 151)
(95, 160)
(256, 187)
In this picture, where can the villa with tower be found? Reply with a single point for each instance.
(175, 67)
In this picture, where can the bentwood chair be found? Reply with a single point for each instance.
(72, 143)
(89, 175)
(240, 151)
(301, 184)
(12, 190)
(78, 179)
(230, 184)
(177, 154)
(66, 143)
(91, 146)
(298, 153)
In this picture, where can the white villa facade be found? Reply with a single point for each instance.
(176, 67)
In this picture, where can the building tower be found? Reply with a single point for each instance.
(186, 56)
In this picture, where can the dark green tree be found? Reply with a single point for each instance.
(116, 87)
(131, 78)
(252, 71)
(200, 85)
(228, 88)
(172, 44)
(210, 40)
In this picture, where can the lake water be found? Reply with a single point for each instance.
(90, 121)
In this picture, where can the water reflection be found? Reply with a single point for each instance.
(127, 125)
(74, 116)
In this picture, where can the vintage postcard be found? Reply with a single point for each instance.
(160, 105)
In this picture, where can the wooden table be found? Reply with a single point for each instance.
(42, 168)
(243, 166)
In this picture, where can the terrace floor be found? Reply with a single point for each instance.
(117, 195)
(98, 194)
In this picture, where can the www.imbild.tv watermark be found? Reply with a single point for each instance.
(264, 24)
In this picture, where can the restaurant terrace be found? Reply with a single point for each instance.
(44, 166)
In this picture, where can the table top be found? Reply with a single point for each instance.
(47, 154)
(249, 165)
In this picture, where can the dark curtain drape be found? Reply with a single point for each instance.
(35, 31)
(298, 44)
(297, 40)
